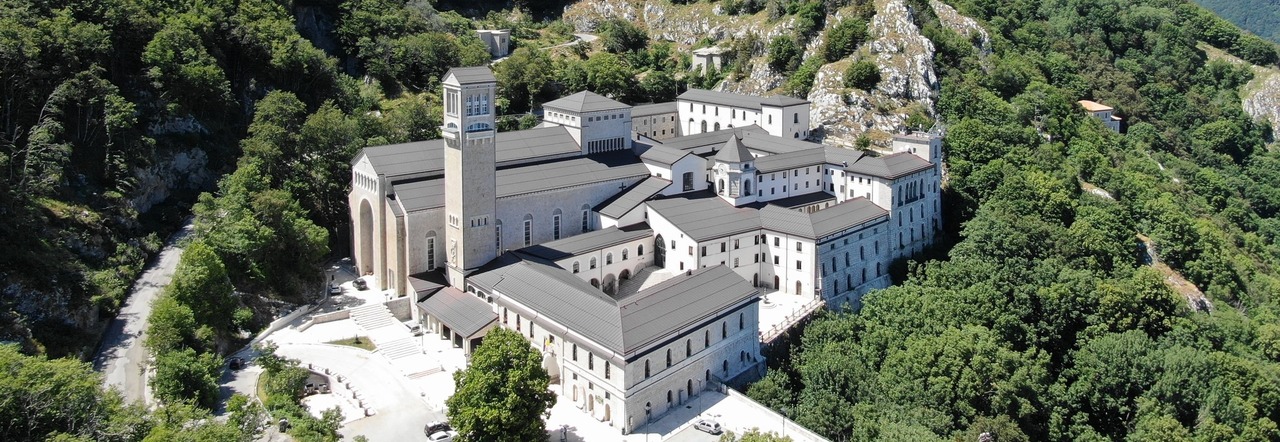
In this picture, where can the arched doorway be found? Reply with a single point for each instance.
(625, 274)
(755, 280)
(777, 284)
(607, 415)
(690, 387)
(799, 286)
(365, 259)
(659, 252)
(595, 283)
(609, 285)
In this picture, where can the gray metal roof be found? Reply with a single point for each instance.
(426, 158)
(478, 74)
(645, 110)
(588, 242)
(733, 151)
(570, 172)
(791, 160)
(624, 202)
(585, 101)
(704, 216)
(889, 166)
(679, 303)
(625, 325)
(660, 154)
(823, 222)
(560, 296)
(738, 100)
(461, 312)
(429, 194)
(840, 216)
(754, 137)
(782, 101)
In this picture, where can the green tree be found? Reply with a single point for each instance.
(170, 326)
(42, 397)
(502, 395)
(784, 54)
(200, 283)
(843, 38)
(862, 74)
(184, 375)
(622, 36)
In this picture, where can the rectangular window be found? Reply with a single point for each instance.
(775, 261)
(575, 352)
(777, 241)
(735, 244)
(722, 247)
(497, 238)
(528, 232)
(591, 361)
(735, 262)
(431, 253)
(797, 264)
(555, 227)
(704, 250)
(799, 247)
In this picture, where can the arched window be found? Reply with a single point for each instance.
(528, 230)
(593, 264)
(746, 187)
(720, 187)
(688, 348)
(555, 224)
(624, 254)
(704, 127)
(724, 330)
(608, 258)
(575, 267)
(741, 323)
(668, 359)
(717, 126)
(640, 250)
(646, 369)
(795, 135)
(706, 338)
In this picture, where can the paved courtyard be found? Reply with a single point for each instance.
(390, 393)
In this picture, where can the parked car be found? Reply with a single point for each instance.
(235, 363)
(707, 425)
(334, 289)
(360, 284)
(436, 427)
(443, 436)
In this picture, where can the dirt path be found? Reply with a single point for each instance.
(121, 356)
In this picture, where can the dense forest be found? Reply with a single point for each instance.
(1045, 320)
(1040, 320)
(1260, 17)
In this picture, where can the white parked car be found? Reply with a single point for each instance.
(707, 425)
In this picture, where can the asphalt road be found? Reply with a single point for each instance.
(121, 356)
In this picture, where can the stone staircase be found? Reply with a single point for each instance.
(373, 316)
(394, 341)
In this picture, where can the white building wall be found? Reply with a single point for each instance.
(680, 257)
(639, 255)
(857, 267)
(738, 349)
(692, 115)
(742, 252)
(541, 206)
(612, 125)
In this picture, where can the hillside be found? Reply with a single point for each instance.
(1261, 17)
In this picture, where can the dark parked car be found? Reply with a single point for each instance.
(360, 284)
(435, 427)
(235, 363)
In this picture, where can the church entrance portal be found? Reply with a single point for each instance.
(659, 252)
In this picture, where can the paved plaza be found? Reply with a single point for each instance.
(390, 393)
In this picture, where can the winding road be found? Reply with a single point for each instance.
(121, 357)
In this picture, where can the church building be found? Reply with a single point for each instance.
(636, 266)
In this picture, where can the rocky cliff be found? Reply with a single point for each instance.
(1261, 96)
(840, 115)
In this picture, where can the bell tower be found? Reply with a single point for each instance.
(470, 185)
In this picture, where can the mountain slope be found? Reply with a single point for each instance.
(1261, 17)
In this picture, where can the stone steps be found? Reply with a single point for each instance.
(400, 348)
(373, 316)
